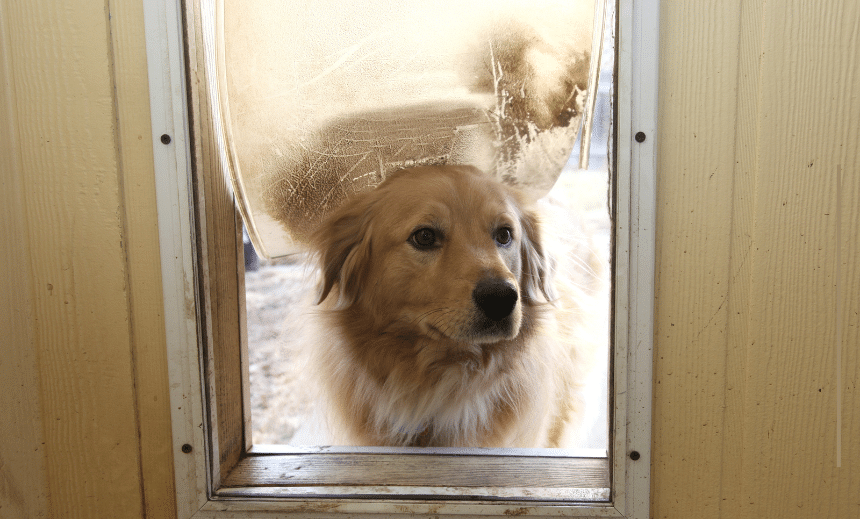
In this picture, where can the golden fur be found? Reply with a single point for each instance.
(441, 322)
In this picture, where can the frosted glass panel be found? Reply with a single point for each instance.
(323, 99)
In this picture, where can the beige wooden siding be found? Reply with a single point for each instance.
(760, 104)
(83, 369)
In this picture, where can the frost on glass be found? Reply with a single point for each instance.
(322, 99)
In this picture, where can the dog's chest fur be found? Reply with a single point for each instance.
(408, 391)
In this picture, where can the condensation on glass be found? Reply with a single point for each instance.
(324, 98)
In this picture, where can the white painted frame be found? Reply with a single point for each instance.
(637, 40)
(167, 96)
(635, 251)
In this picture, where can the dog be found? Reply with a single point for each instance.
(440, 324)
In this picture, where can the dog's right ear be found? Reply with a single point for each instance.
(343, 248)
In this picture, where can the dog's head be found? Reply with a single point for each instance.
(444, 252)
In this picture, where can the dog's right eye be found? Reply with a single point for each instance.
(423, 238)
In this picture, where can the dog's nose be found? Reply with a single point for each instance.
(495, 297)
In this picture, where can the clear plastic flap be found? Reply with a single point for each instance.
(322, 99)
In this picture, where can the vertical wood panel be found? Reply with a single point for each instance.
(848, 474)
(64, 109)
(23, 478)
(697, 106)
(795, 116)
(733, 500)
(810, 51)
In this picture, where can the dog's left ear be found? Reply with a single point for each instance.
(343, 248)
(536, 274)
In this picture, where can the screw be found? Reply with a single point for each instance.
(640, 137)
(186, 449)
(634, 455)
(165, 139)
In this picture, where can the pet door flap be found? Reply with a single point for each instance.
(319, 100)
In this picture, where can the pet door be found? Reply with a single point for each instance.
(317, 101)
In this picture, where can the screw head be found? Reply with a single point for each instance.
(634, 455)
(165, 139)
(187, 449)
(640, 137)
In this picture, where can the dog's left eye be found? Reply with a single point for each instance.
(424, 238)
(503, 236)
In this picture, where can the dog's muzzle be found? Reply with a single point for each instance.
(495, 298)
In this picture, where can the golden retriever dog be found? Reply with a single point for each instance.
(442, 327)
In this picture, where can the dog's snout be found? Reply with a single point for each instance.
(496, 298)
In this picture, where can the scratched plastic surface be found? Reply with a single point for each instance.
(323, 99)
